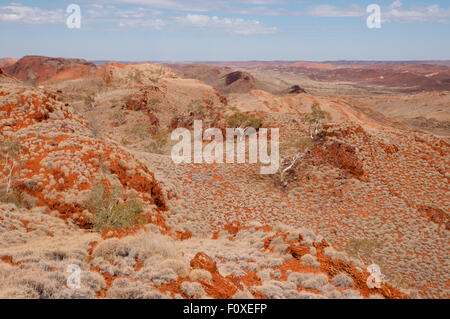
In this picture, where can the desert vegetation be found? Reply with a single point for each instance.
(110, 208)
(91, 183)
(10, 153)
(241, 120)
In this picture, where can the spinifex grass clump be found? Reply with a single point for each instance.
(110, 210)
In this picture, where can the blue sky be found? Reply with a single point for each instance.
(219, 30)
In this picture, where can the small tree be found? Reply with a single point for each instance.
(315, 120)
(154, 80)
(89, 101)
(243, 121)
(293, 150)
(158, 142)
(110, 210)
(10, 151)
(153, 104)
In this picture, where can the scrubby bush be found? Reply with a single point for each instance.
(10, 151)
(316, 282)
(299, 278)
(241, 120)
(342, 280)
(334, 254)
(158, 277)
(110, 210)
(147, 245)
(153, 104)
(89, 101)
(176, 265)
(192, 289)
(308, 295)
(351, 294)
(110, 249)
(243, 294)
(315, 119)
(158, 142)
(309, 260)
(293, 148)
(125, 289)
(200, 274)
(14, 196)
(271, 290)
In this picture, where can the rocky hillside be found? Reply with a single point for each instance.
(92, 184)
(38, 69)
(5, 62)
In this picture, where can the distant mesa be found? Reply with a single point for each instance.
(225, 79)
(239, 82)
(39, 69)
(295, 89)
(238, 76)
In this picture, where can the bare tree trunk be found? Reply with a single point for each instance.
(10, 178)
(316, 130)
(294, 161)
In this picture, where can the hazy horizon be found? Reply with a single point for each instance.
(100, 60)
(238, 30)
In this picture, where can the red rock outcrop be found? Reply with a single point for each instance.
(38, 69)
(61, 158)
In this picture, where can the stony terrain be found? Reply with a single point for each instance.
(370, 190)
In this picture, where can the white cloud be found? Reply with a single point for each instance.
(236, 26)
(330, 11)
(176, 5)
(143, 18)
(149, 14)
(396, 4)
(431, 13)
(395, 12)
(30, 15)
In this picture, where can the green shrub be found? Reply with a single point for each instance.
(157, 143)
(242, 120)
(315, 119)
(14, 196)
(89, 101)
(153, 104)
(110, 211)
